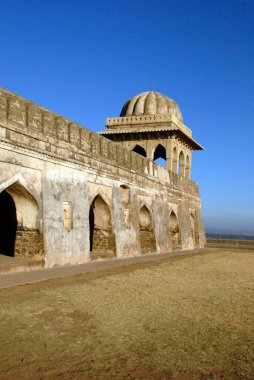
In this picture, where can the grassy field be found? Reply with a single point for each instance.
(188, 317)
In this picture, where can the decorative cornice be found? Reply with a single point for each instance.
(146, 133)
(132, 121)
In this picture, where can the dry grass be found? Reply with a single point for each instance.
(187, 317)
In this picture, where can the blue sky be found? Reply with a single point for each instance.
(84, 59)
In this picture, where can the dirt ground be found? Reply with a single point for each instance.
(188, 317)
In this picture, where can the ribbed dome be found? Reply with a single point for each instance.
(151, 103)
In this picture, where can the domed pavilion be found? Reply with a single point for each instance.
(151, 124)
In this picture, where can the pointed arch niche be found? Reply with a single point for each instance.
(181, 169)
(102, 237)
(175, 160)
(146, 231)
(187, 169)
(174, 231)
(160, 156)
(140, 150)
(20, 223)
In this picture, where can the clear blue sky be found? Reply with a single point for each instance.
(84, 59)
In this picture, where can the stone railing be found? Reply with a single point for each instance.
(128, 121)
(33, 127)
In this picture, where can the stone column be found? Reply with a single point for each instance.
(169, 155)
(189, 171)
(175, 159)
(150, 150)
(187, 164)
(182, 162)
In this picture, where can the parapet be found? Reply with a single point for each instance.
(147, 120)
(30, 126)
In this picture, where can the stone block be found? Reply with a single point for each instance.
(85, 140)
(104, 148)
(3, 105)
(75, 134)
(62, 127)
(49, 127)
(17, 111)
(95, 145)
(34, 117)
(112, 151)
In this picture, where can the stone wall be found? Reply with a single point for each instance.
(60, 163)
(147, 241)
(27, 125)
(29, 244)
(104, 241)
(175, 239)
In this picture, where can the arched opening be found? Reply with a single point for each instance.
(194, 230)
(187, 169)
(174, 231)
(140, 150)
(160, 156)
(146, 232)
(175, 160)
(181, 168)
(27, 240)
(102, 238)
(8, 224)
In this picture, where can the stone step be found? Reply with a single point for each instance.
(16, 264)
(102, 254)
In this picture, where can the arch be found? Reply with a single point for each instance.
(140, 150)
(8, 224)
(181, 168)
(187, 168)
(194, 230)
(26, 205)
(146, 231)
(102, 238)
(22, 183)
(28, 240)
(160, 156)
(175, 160)
(174, 231)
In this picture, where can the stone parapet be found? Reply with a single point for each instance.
(132, 121)
(26, 125)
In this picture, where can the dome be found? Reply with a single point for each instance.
(151, 103)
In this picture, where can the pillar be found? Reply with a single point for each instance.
(150, 150)
(169, 155)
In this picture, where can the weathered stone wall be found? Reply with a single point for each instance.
(60, 163)
(103, 240)
(29, 244)
(147, 241)
(32, 127)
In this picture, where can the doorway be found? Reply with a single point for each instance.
(8, 224)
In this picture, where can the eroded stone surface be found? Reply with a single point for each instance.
(48, 162)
